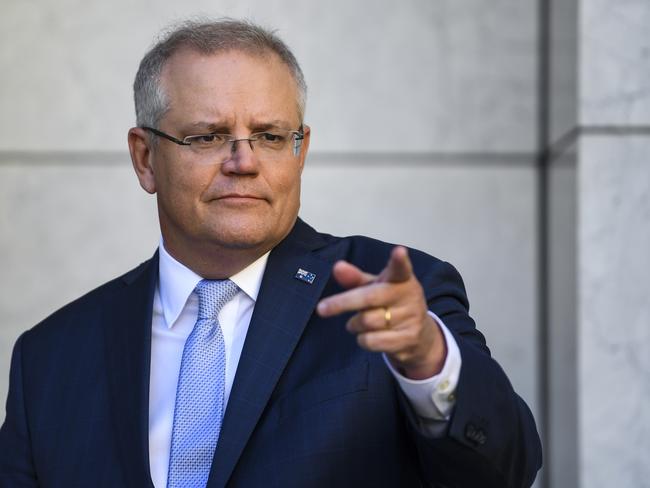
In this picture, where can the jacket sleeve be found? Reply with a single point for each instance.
(491, 438)
(16, 466)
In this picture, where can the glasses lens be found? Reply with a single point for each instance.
(269, 145)
(271, 142)
(207, 141)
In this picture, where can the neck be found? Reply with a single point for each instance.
(212, 261)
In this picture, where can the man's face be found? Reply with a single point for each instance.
(244, 202)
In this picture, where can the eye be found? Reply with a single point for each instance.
(204, 140)
(271, 139)
(208, 138)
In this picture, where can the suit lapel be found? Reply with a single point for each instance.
(128, 340)
(282, 310)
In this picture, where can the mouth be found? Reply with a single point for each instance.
(239, 195)
(240, 198)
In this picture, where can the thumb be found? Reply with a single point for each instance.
(349, 276)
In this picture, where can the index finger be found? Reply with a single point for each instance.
(399, 267)
(356, 299)
(349, 276)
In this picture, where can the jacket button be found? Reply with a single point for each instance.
(475, 434)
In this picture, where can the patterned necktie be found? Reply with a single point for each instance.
(200, 391)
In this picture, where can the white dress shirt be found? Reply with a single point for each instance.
(175, 310)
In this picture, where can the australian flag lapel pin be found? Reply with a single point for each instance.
(304, 275)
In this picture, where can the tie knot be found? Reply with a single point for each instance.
(213, 295)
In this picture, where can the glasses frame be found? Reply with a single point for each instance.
(298, 136)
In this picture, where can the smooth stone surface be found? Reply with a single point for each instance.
(452, 75)
(561, 450)
(614, 311)
(81, 225)
(563, 70)
(614, 62)
(64, 231)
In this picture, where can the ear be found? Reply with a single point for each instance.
(141, 157)
(305, 146)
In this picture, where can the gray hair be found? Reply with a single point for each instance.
(206, 37)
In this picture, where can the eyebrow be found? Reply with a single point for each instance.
(222, 127)
(206, 127)
(277, 123)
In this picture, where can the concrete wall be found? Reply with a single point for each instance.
(598, 241)
(614, 311)
(613, 242)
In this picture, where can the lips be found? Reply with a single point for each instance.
(239, 200)
(242, 196)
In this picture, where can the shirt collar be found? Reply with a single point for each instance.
(176, 282)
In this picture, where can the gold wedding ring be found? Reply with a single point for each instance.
(387, 317)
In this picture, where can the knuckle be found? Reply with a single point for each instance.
(362, 341)
(365, 318)
(379, 296)
(401, 356)
(412, 335)
(368, 341)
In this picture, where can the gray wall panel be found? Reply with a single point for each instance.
(562, 401)
(63, 231)
(614, 311)
(563, 68)
(614, 62)
(413, 76)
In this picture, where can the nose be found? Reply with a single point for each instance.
(233, 146)
(242, 158)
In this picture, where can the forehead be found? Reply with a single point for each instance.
(231, 85)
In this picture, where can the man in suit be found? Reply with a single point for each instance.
(252, 350)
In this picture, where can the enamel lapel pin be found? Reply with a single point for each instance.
(304, 275)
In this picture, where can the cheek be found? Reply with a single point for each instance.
(181, 180)
(289, 190)
(180, 188)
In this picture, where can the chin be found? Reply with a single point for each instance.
(252, 230)
(245, 237)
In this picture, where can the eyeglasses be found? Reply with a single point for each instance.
(270, 144)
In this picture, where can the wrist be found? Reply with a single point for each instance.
(432, 359)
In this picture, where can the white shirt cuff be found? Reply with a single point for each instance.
(434, 398)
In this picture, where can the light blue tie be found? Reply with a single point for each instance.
(199, 395)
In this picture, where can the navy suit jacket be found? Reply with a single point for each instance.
(308, 407)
